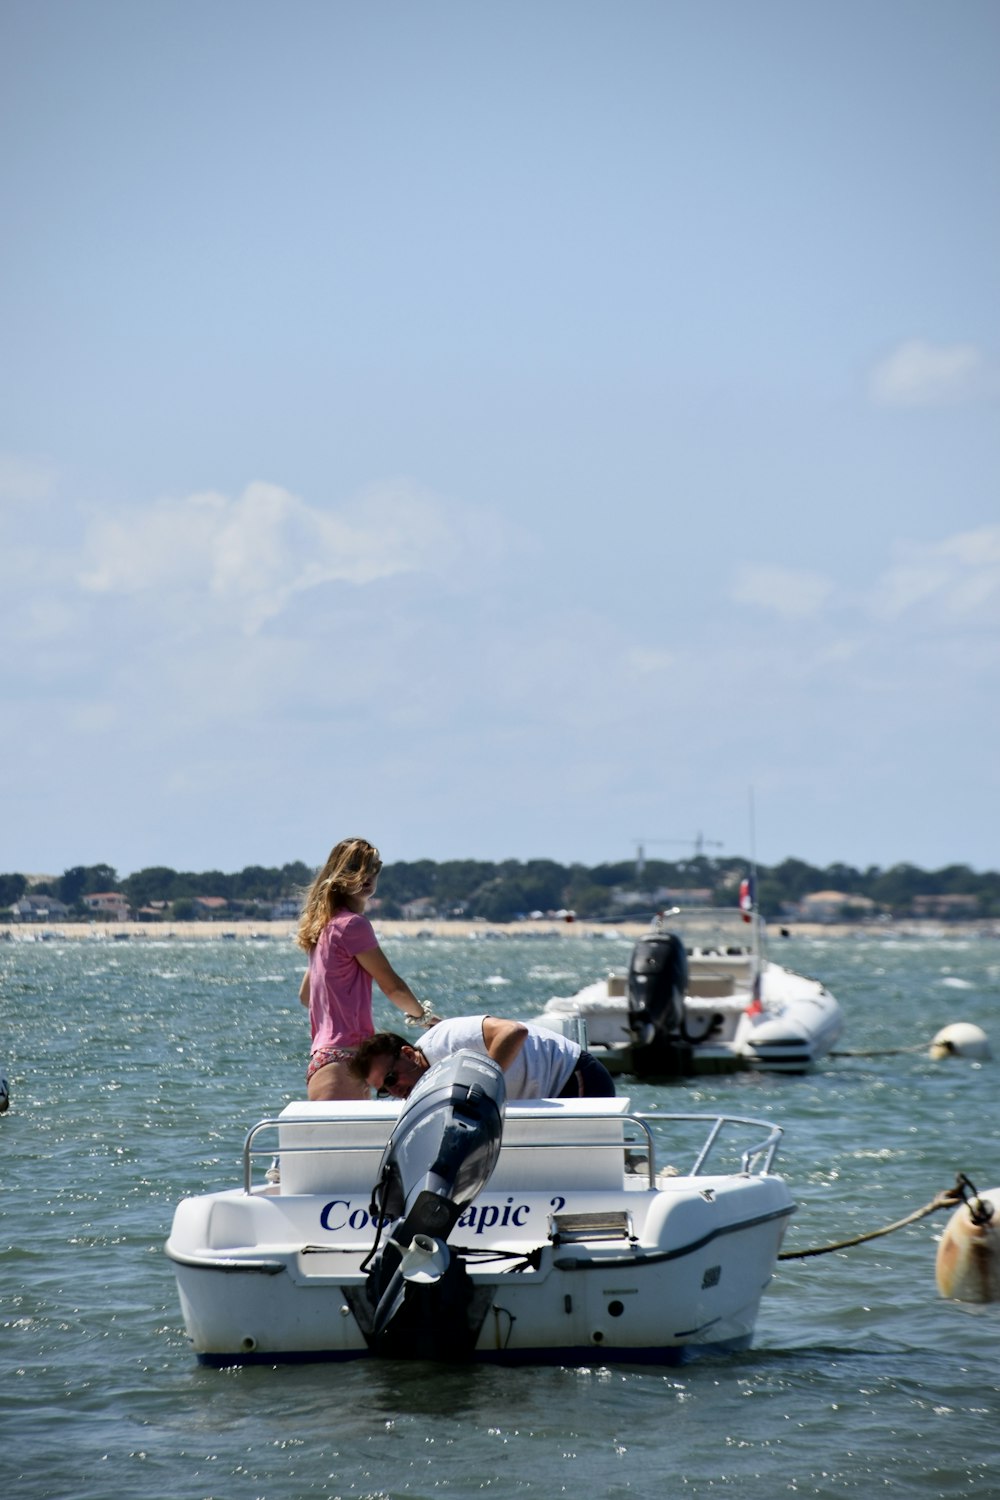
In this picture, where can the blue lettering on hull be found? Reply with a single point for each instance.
(342, 1213)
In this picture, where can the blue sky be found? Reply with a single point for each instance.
(500, 430)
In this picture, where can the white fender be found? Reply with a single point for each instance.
(968, 1257)
(961, 1039)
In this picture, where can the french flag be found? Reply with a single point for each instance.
(746, 900)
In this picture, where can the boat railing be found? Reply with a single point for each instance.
(756, 1159)
(251, 1151)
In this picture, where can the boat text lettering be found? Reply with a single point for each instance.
(340, 1213)
(481, 1219)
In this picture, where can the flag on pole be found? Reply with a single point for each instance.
(747, 893)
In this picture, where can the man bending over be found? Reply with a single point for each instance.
(536, 1063)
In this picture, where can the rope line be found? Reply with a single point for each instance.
(885, 1052)
(947, 1198)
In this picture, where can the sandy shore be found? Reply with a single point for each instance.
(285, 931)
(570, 931)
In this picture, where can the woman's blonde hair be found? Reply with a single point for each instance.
(352, 863)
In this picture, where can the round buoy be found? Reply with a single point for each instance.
(968, 1257)
(961, 1039)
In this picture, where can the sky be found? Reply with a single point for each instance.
(512, 430)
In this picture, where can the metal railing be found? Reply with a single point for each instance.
(766, 1149)
(757, 1158)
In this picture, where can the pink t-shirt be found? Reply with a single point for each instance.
(340, 990)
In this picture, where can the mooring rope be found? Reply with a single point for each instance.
(883, 1052)
(947, 1198)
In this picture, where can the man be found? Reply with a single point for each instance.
(536, 1063)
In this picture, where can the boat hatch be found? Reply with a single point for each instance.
(570, 1229)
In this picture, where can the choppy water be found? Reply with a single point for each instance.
(135, 1070)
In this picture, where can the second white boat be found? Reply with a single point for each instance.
(699, 996)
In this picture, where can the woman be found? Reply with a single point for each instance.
(344, 958)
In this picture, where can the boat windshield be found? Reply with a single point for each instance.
(710, 929)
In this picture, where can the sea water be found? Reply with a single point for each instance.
(135, 1070)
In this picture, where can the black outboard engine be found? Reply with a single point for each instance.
(657, 981)
(440, 1156)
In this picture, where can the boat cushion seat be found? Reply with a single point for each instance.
(333, 1145)
(710, 986)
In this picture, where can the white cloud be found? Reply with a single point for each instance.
(919, 373)
(790, 592)
(252, 554)
(958, 577)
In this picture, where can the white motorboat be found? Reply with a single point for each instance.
(461, 1227)
(700, 997)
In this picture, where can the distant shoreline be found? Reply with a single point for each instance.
(249, 931)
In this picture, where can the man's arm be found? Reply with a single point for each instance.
(504, 1039)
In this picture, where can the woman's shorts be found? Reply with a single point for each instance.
(328, 1055)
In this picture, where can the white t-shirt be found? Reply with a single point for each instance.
(540, 1070)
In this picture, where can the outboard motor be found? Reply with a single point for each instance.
(440, 1156)
(657, 981)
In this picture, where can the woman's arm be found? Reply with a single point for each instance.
(304, 989)
(375, 963)
(504, 1039)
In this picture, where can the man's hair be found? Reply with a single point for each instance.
(382, 1044)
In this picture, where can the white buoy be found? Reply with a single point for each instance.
(968, 1257)
(961, 1039)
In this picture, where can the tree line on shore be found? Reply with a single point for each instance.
(510, 890)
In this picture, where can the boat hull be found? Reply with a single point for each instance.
(611, 1266)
